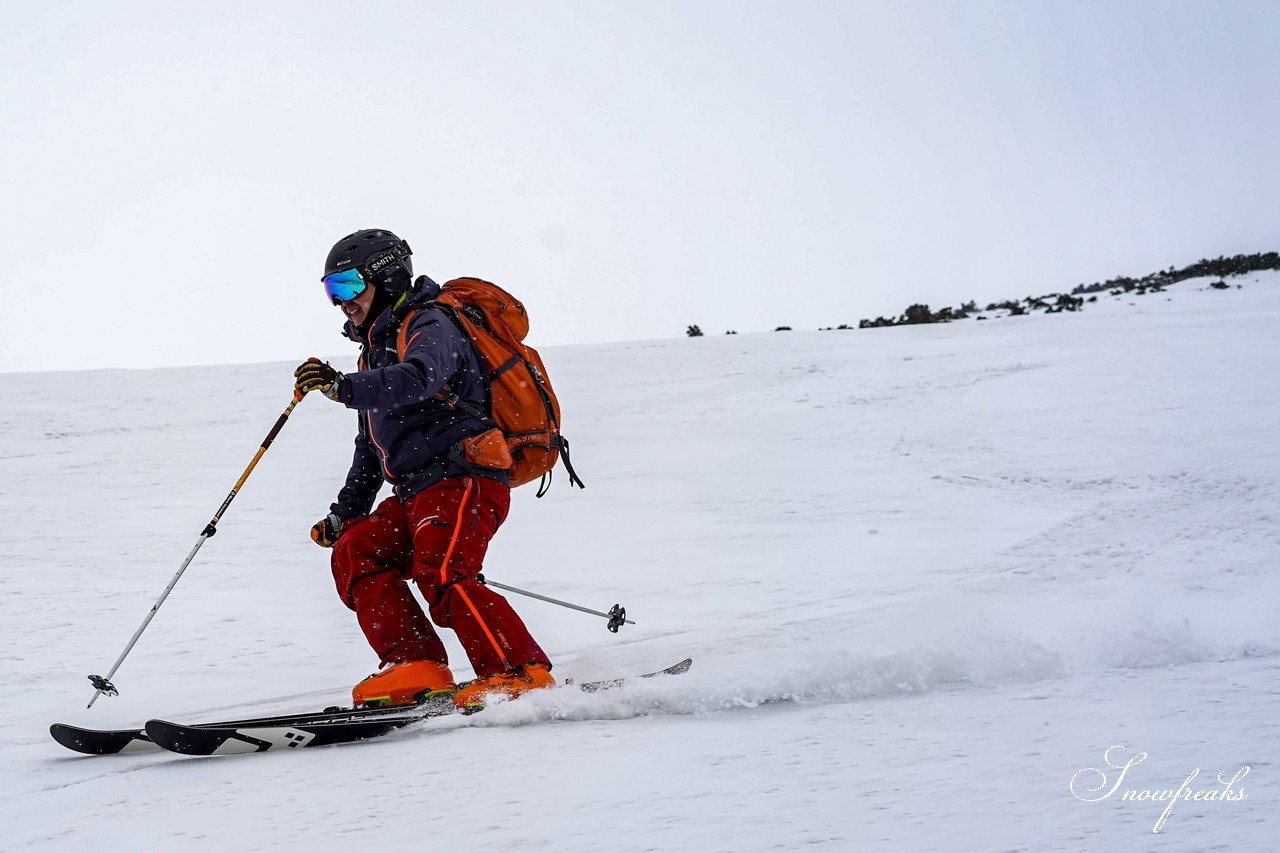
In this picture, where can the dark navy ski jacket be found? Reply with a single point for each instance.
(406, 431)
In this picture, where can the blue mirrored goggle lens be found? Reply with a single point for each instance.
(341, 286)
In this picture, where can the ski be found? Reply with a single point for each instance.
(327, 729)
(333, 725)
(207, 740)
(111, 741)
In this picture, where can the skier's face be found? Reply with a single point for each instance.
(357, 308)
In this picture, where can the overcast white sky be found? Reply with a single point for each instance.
(173, 174)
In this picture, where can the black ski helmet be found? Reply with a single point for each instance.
(382, 258)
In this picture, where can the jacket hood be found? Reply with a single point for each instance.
(424, 290)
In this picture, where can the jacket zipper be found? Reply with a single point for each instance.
(368, 415)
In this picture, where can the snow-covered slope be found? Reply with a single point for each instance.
(928, 575)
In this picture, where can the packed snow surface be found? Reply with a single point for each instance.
(929, 577)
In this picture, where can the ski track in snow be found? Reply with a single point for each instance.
(926, 575)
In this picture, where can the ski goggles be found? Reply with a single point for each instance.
(345, 285)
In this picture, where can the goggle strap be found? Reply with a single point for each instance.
(398, 252)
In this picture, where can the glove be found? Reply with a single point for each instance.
(316, 375)
(325, 532)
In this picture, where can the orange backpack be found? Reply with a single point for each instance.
(521, 402)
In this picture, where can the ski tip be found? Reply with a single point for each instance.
(675, 669)
(596, 686)
(96, 742)
(171, 736)
(195, 740)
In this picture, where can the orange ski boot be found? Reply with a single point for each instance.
(403, 683)
(512, 683)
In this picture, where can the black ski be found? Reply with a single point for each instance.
(110, 741)
(258, 734)
(338, 727)
(207, 740)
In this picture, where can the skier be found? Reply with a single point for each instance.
(434, 529)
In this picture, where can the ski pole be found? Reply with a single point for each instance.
(617, 614)
(102, 684)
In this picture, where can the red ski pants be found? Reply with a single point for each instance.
(436, 539)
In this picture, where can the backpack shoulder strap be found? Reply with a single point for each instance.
(402, 343)
(402, 334)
